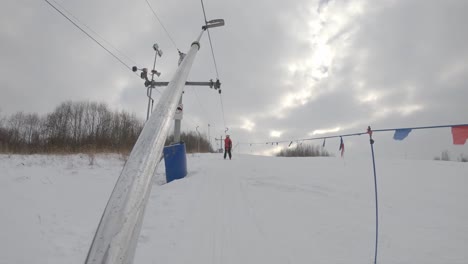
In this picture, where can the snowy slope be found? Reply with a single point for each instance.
(248, 210)
(50, 205)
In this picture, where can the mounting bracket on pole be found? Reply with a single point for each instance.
(144, 76)
(212, 84)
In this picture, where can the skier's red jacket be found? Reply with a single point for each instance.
(227, 143)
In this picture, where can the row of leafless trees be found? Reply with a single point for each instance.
(71, 127)
(80, 127)
(304, 151)
(194, 142)
(445, 156)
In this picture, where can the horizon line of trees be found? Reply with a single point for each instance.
(194, 142)
(70, 128)
(304, 150)
(74, 127)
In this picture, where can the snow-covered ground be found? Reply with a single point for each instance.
(251, 209)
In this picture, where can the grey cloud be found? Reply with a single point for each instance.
(402, 51)
(408, 52)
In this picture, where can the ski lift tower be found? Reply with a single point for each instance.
(117, 234)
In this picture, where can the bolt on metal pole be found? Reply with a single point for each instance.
(177, 125)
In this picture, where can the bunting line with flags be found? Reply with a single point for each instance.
(459, 133)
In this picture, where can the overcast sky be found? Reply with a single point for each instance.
(289, 69)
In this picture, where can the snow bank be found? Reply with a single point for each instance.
(248, 210)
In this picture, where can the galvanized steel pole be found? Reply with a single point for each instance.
(117, 235)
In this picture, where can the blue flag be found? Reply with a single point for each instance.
(401, 134)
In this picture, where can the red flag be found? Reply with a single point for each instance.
(460, 135)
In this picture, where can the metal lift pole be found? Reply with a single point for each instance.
(117, 235)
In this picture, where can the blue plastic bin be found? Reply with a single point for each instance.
(175, 161)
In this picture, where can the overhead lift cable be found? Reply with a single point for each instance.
(211, 44)
(87, 34)
(222, 109)
(215, 65)
(162, 25)
(199, 103)
(94, 32)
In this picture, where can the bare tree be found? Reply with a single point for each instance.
(191, 140)
(445, 155)
(71, 127)
(304, 151)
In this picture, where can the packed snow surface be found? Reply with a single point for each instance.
(250, 209)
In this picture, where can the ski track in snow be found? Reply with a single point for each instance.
(247, 210)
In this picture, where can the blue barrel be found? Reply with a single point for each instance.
(175, 161)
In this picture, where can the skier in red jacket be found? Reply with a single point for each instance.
(227, 147)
